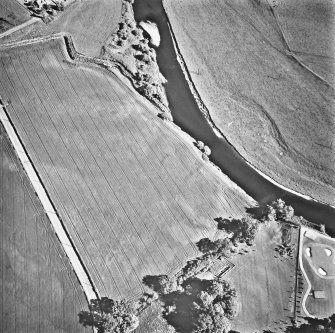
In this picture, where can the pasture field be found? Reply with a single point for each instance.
(238, 61)
(90, 23)
(39, 290)
(309, 27)
(312, 261)
(265, 283)
(132, 190)
(12, 13)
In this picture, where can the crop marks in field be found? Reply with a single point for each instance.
(40, 292)
(133, 194)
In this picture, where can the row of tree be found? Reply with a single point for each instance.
(193, 305)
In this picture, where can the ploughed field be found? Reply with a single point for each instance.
(132, 190)
(239, 63)
(40, 292)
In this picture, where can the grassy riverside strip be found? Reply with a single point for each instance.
(257, 100)
(216, 129)
(39, 188)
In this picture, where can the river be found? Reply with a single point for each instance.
(188, 116)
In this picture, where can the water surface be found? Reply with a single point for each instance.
(188, 116)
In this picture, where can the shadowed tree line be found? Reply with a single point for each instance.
(107, 316)
(196, 305)
(192, 304)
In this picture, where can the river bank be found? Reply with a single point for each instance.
(187, 115)
(207, 115)
(251, 83)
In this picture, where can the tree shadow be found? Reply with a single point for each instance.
(155, 282)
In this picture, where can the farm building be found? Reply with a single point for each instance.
(319, 294)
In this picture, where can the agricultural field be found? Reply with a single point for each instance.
(90, 23)
(265, 283)
(12, 13)
(308, 27)
(318, 262)
(40, 292)
(238, 61)
(132, 190)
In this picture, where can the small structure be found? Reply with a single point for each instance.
(206, 276)
(319, 294)
(310, 234)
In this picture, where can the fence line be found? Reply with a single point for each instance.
(59, 228)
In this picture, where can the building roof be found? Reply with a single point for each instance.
(319, 294)
(310, 234)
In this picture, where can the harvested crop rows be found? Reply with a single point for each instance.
(134, 195)
(40, 292)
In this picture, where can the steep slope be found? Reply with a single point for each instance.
(309, 27)
(277, 114)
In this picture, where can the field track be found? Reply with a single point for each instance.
(309, 30)
(133, 193)
(321, 308)
(48, 207)
(39, 290)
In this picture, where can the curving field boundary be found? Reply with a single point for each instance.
(67, 244)
(309, 286)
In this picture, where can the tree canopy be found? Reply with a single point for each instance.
(110, 316)
(243, 230)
